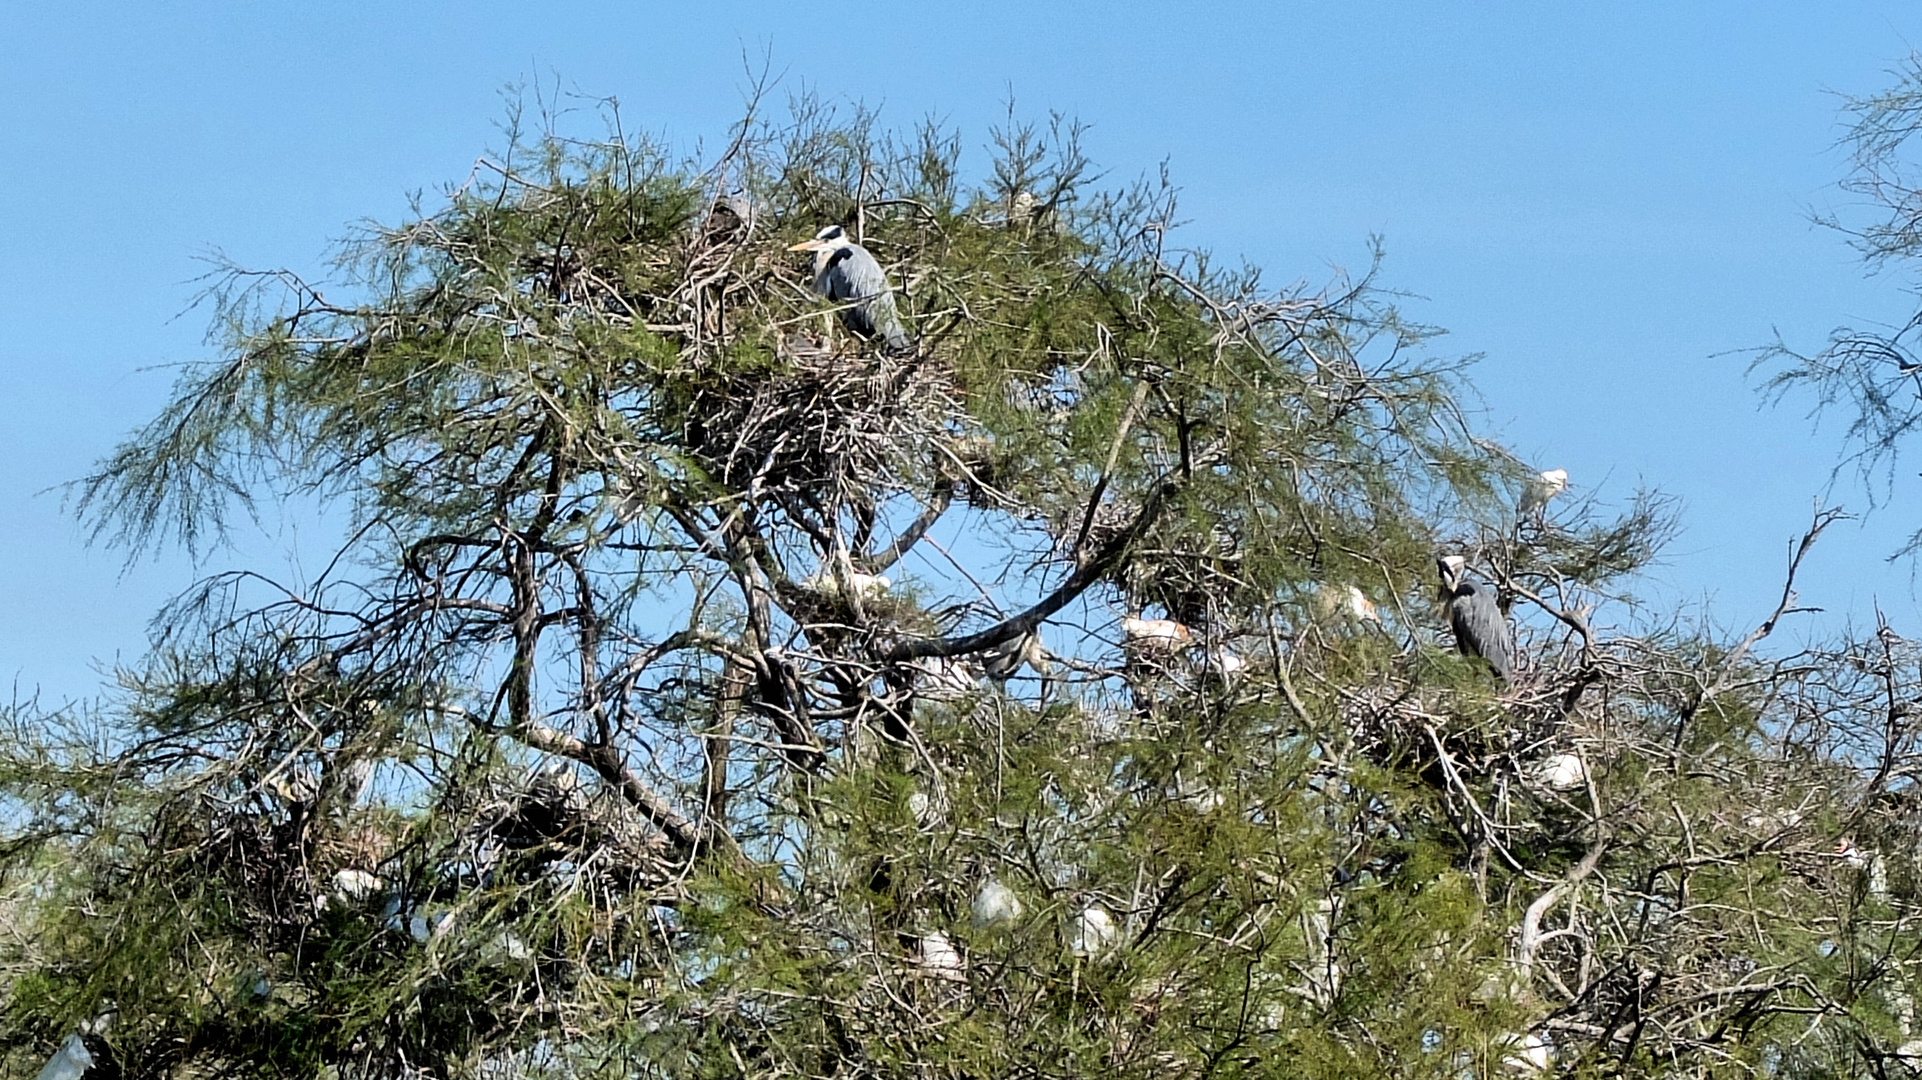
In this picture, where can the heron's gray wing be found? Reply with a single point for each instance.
(1480, 629)
(855, 276)
(1003, 661)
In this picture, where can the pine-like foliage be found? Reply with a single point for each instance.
(601, 749)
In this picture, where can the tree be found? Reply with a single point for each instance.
(639, 724)
(1872, 372)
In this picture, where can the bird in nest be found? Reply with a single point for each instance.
(848, 275)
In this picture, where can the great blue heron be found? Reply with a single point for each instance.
(1004, 661)
(845, 273)
(1480, 630)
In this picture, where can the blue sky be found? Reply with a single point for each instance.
(1602, 199)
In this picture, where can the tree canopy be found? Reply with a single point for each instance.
(644, 722)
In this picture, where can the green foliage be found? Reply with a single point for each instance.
(600, 749)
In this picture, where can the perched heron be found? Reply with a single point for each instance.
(1537, 492)
(1480, 630)
(1021, 208)
(1004, 661)
(845, 273)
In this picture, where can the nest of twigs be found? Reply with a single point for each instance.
(850, 418)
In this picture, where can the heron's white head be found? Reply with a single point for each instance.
(1451, 567)
(1557, 479)
(834, 236)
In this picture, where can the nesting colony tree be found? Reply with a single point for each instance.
(1052, 684)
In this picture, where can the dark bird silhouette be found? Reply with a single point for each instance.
(1480, 630)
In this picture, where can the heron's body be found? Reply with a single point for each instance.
(1005, 660)
(845, 273)
(1477, 621)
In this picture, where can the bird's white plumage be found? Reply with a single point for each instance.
(1531, 1053)
(940, 958)
(1094, 934)
(1563, 772)
(1347, 602)
(1154, 633)
(945, 678)
(1543, 487)
(995, 905)
(864, 586)
(356, 885)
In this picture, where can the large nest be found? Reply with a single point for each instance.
(849, 420)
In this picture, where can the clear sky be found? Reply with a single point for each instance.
(1599, 198)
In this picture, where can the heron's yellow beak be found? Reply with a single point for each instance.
(805, 245)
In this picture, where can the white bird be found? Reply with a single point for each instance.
(1532, 1053)
(1227, 662)
(1155, 634)
(1095, 934)
(1562, 772)
(1537, 492)
(351, 889)
(1347, 601)
(845, 273)
(940, 958)
(863, 586)
(1021, 209)
(995, 905)
(945, 678)
(1874, 870)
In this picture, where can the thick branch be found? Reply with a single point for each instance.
(1104, 560)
